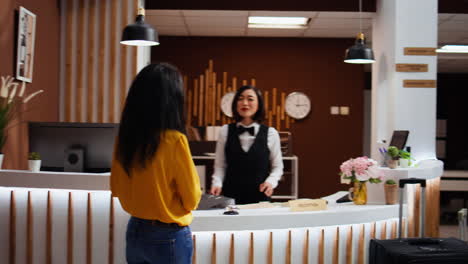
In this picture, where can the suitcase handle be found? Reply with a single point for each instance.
(412, 181)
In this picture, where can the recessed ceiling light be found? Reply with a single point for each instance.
(277, 22)
(453, 49)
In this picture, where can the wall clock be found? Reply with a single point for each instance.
(226, 103)
(297, 105)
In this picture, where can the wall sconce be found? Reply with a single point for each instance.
(140, 33)
(359, 53)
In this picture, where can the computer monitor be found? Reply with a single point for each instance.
(54, 140)
(399, 138)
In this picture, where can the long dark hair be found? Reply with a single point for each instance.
(155, 103)
(259, 115)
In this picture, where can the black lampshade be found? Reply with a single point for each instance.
(139, 34)
(359, 53)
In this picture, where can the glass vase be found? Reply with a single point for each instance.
(360, 193)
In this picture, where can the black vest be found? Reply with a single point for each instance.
(245, 171)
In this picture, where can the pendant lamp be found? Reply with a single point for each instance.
(359, 53)
(140, 33)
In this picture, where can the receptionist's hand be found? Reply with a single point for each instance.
(215, 190)
(266, 188)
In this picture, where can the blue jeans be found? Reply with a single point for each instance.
(150, 242)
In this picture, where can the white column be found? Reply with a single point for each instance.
(399, 24)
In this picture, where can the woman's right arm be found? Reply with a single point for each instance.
(220, 162)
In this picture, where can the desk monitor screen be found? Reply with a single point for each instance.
(399, 138)
(53, 140)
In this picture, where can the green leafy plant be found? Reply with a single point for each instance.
(390, 182)
(12, 96)
(393, 152)
(34, 156)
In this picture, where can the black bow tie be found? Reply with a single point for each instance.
(241, 129)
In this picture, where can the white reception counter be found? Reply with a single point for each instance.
(66, 217)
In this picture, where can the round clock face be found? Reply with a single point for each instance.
(297, 105)
(226, 103)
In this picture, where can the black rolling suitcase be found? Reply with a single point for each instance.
(417, 250)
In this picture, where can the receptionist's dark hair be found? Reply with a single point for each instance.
(154, 104)
(259, 115)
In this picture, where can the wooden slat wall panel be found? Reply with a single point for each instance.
(90, 87)
(98, 70)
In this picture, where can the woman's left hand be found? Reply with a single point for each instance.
(266, 188)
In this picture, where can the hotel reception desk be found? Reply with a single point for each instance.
(72, 218)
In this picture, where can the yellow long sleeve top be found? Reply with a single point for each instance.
(167, 189)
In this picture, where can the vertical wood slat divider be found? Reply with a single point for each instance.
(288, 248)
(70, 229)
(89, 231)
(49, 229)
(361, 248)
(435, 200)
(214, 102)
(373, 230)
(194, 252)
(278, 118)
(12, 250)
(283, 99)
(91, 59)
(321, 247)
(111, 230)
(270, 249)
(417, 207)
(383, 234)
(273, 101)
(253, 82)
(336, 246)
(195, 97)
(270, 118)
(306, 248)
(394, 229)
(201, 116)
(69, 61)
(218, 102)
(349, 246)
(234, 84)
(29, 231)
(101, 60)
(287, 122)
(79, 61)
(207, 94)
(244, 82)
(189, 108)
(123, 55)
(251, 248)
(213, 251)
(232, 250)
(113, 62)
(267, 104)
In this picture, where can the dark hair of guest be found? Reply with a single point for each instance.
(259, 115)
(154, 104)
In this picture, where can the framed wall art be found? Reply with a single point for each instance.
(25, 47)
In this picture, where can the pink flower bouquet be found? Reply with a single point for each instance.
(361, 169)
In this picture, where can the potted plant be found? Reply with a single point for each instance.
(360, 170)
(391, 191)
(405, 158)
(12, 97)
(34, 162)
(394, 154)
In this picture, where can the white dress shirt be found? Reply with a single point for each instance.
(246, 141)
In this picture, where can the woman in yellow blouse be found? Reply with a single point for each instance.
(153, 174)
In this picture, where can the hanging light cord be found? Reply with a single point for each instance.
(360, 16)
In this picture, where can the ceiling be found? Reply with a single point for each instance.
(453, 28)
